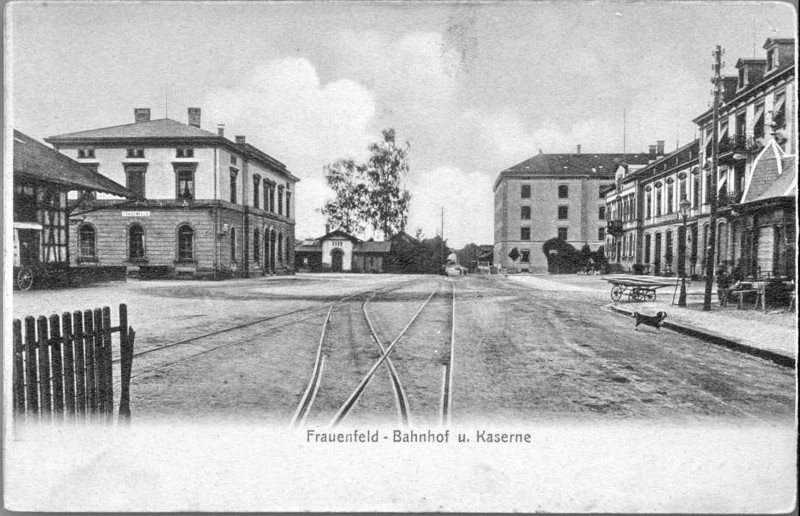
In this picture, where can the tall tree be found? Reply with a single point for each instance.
(388, 199)
(348, 211)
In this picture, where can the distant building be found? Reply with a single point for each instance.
(549, 196)
(42, 180)
(337, 251)
(206, 205)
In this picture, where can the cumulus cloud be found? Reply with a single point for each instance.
(284, 109)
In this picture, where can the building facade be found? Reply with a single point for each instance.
(644, 217)
(205, 205)
(755, 192)
(553, 196)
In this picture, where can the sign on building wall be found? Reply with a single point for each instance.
(135, 213)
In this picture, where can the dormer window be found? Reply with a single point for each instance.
(772, 61)
(86, 153)
(135, 153)
(184, 152)
(742, 77)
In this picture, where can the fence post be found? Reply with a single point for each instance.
(19, 371)
(127, 336)
(99, 362)
(32, 376)
(56, 366)
(108, 356)
(69, 364)
(79, 338)
(91, 377)
(44, 368)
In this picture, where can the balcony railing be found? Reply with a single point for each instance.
(738, 143)
(726, 198)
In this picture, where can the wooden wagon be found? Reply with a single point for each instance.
(636, 288)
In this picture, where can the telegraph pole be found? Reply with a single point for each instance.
(712, 220)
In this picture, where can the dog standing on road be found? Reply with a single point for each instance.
(650, 320)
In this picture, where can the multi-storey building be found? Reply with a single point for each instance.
(205, 205)
(755, 191)
(549, 196)
(644, 219)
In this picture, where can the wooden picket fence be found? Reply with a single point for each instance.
(63, 367)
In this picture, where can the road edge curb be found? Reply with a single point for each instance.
(715, 338)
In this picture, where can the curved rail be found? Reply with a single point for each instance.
(351, 401)
(447, 387)
(310, 394)
(399, 392)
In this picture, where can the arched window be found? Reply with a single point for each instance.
(87, 241)
(256, 246)
(233, 244)
(135, 242)
(647, 248)
(185, 243)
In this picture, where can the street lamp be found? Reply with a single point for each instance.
(684, 207)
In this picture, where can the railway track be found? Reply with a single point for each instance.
(311, 311)
(404, 414)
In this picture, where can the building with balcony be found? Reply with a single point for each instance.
(756, 185)
(549, 196)
(757, 144)
(205, 205)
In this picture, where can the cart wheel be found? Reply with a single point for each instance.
(24, 278)
(650, 295)
(616, 293)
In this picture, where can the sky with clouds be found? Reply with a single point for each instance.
(473, 87)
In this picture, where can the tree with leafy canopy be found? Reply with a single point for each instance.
(348, 211)
(387, 210)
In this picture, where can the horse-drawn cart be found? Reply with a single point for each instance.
(636, 288)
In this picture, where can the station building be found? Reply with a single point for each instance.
(204, 205)
(549, 196)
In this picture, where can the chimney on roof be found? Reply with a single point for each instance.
(221, 129)
(327, 228)
(540, 151)
(240, 139)
(660, 147)
(141, 115)
(579, 148)
(652, 151)
(194, 116)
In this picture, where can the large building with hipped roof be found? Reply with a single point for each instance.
(205, 205)
(553, 196)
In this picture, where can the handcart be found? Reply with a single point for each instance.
(636, 288)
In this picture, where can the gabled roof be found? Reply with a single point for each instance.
(34, 160)
(566, 165)
(338, 233)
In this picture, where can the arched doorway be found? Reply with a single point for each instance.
(337, 260)
(657, 256)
